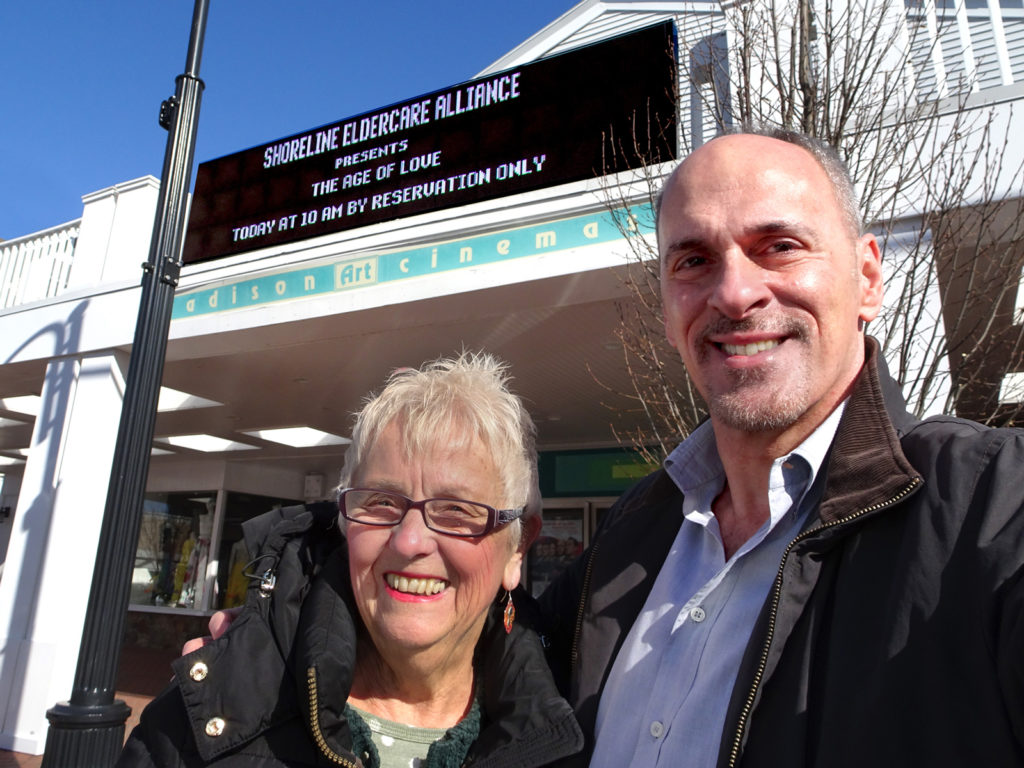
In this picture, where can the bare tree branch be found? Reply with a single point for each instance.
(931, 162)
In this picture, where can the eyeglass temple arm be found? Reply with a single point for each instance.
(508, 515)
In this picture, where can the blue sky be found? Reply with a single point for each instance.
(81, 82)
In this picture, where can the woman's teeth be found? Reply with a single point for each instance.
(415, 586)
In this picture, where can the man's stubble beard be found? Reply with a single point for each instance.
(746, 405)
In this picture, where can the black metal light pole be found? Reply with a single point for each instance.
(88, 730)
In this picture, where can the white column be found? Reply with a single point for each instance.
(52, 551)
(114, 234)
(11, 484)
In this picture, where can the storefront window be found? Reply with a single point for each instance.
(174, 549)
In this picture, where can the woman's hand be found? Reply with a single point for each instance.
(218, 625)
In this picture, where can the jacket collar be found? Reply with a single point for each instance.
(251, 680)
(235, 688)
(866, 466)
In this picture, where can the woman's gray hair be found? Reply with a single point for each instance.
(455, 400)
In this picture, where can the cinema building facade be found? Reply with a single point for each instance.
(474, 217)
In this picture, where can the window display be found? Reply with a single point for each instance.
(174, 562)
(174, 548)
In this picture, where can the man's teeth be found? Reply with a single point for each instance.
(750, 349)
(415, 586)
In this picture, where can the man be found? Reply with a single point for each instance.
(815, 578)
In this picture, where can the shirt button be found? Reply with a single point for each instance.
(657, 729)
(214, 726)
(199, 671)
(697, 614)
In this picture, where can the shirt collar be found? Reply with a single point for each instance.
(816, 446)
(695, 461)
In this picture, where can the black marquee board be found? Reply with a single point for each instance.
(550, 122)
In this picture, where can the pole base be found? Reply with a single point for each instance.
(85, 736)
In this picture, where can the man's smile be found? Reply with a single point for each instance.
(753, 348)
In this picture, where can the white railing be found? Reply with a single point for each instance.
(36, 266)
(960, 45)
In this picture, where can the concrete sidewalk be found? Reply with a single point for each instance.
(142, 674)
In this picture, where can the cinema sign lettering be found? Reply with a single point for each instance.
(553, 121)
(574, 234)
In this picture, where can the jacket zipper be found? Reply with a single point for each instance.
(579, 610)
(314, 721)
(776, 594)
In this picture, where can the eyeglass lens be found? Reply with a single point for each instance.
(454, 516)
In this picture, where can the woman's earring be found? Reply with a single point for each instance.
(510, 613)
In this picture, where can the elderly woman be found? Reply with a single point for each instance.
(391, 642)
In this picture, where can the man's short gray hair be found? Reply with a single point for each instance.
(824, 153)
(448, 402)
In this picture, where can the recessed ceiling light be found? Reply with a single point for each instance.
(26, 404)
(7, 461)
(11, 422)
(298, 437)
(206, 443)
(176, 400)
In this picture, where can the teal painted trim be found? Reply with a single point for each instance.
(362, 271)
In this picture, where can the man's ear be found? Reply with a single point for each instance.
(669, 336)
(869, 262)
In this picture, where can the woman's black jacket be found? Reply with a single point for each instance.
(272, 690)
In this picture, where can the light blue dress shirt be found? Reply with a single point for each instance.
(666, 697)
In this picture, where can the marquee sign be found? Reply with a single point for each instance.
(561, 119)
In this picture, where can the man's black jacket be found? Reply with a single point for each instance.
(894, 632)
